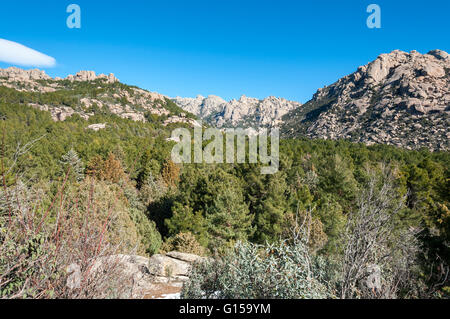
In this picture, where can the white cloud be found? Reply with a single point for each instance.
(16, 53)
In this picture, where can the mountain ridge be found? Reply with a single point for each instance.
(400, 99)
(246, 112)
(86, 93)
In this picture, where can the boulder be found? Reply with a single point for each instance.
(439, 54)
(16, 74)
(97, 127)
(433, 70)
(189, 258)
(85, 76)
(140, 275)
(165, 266)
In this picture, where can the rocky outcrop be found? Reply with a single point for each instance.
(58, 113)
(172, 265)
(86, 76)
(178, 119)
(201, 106)
(124, 101)
(401, 99)
(189, 258)
(97, 127)
(15, 74)
(245, 113)
(145, 275)
(25, 80)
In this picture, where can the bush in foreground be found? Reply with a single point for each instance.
(51, 249)
(249, 271)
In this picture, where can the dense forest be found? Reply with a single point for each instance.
(52, 167)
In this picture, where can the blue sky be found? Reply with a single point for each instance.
(227, 47)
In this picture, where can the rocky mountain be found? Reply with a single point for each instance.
(14, 74)
(400, 99)
(86, 93)
(246, 112)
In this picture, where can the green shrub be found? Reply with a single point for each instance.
(184, 243)
(150, 237)
(251, 271)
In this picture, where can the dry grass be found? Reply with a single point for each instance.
(49, 250)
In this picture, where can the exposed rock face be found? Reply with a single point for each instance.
(83, 76)
(189, 258)
(246, 112)
(25, 80)
(400, 99)
(147, 274)
(59, 113)
(201, 106)
(97, 127)
(16, 74)
(173, 264)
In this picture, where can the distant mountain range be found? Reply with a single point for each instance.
(246, 112)
(400, 99)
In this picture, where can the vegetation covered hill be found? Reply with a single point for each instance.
(86, 95)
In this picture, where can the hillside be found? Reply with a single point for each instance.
(400, 99)
(86, 94)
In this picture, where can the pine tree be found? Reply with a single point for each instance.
(170, 173)
(106, 170)
(184, 219)
(95, 166)
(338, 178)
(229, 219)
(149, 166)
(271, 210)
(112, 170)
(72, 160)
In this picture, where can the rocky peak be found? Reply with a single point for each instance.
(247, 112)
(85, 76)
(400, 98)
(201, 106)
(439, 54)
(16, 75)
(396, 65)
